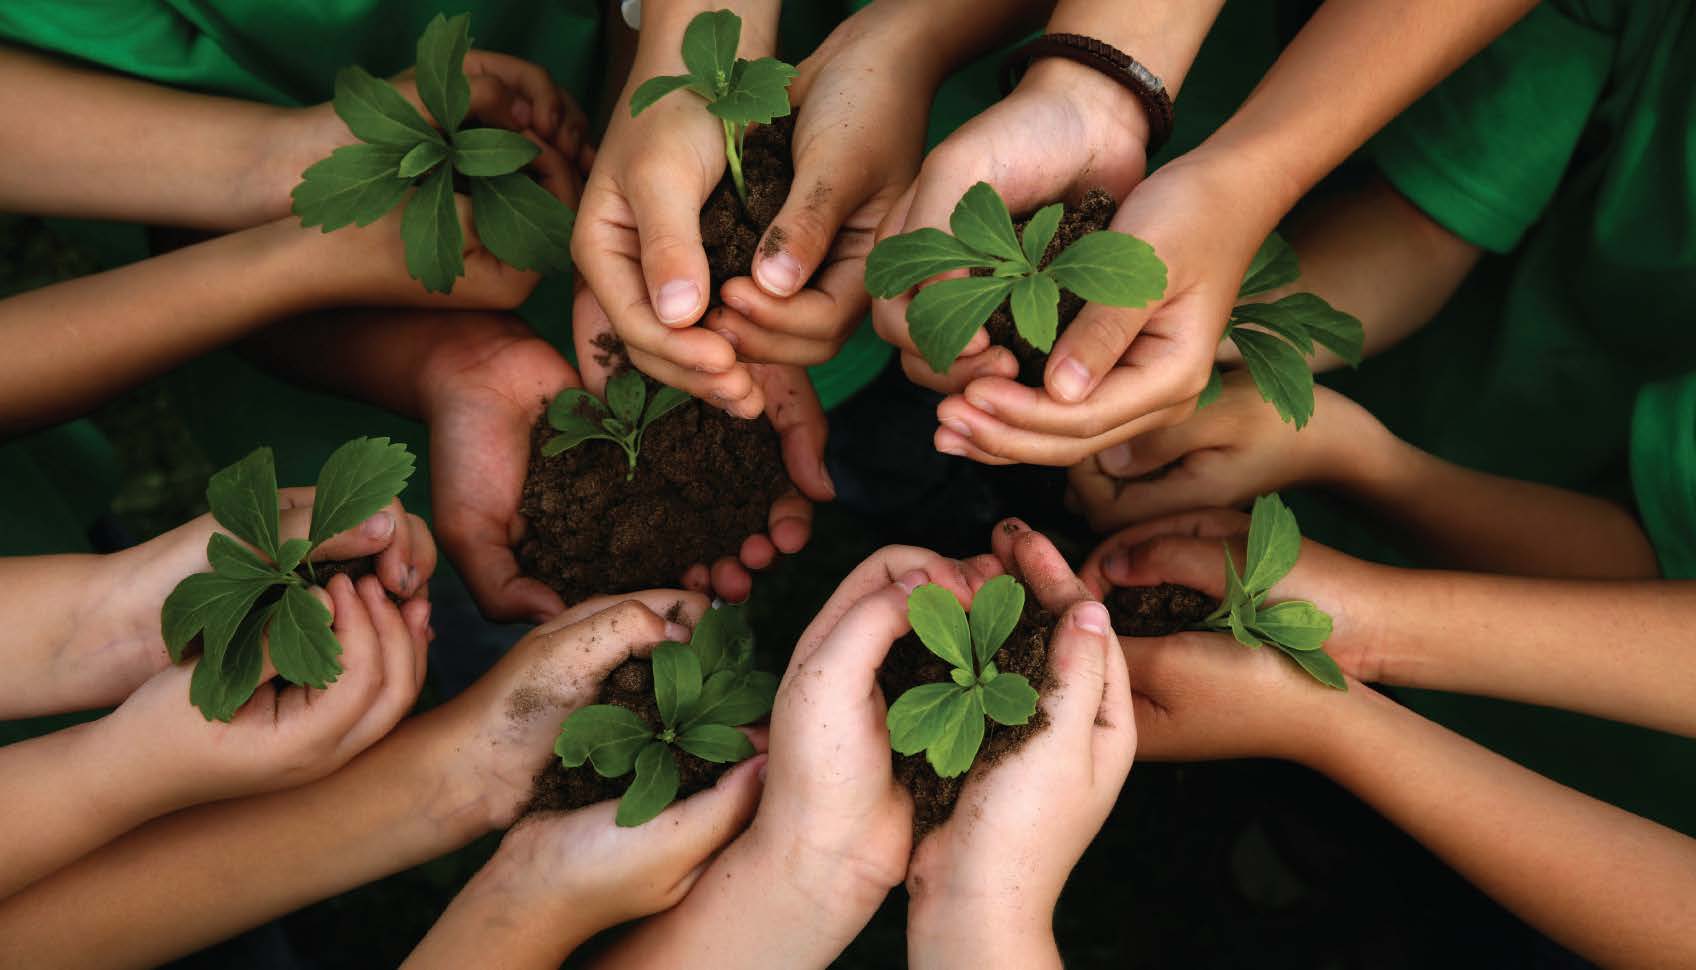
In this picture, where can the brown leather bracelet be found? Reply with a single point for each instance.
(1109, 60)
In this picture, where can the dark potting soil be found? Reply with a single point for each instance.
(630, 686)
(1094, 213)
(1157, 611)
(910, 664)
(730, 231)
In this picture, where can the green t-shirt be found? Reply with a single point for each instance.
(1663, 471)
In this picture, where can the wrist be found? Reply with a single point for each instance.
(838, 894)
(284, 138)
(944, 930)
(1105, 105)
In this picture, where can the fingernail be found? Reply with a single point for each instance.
(980, 404)
(950, 448)
(911, 581)
(829, 483)
(730, 337)
(779, 275)
(1116, 564)
(1091, 617)
(1071, 380)
(1116, 460)
(676, 632)
(1013, 525)
(738, 304)
(678, 300)
(957, 426)
(379, 526)
(410, 583)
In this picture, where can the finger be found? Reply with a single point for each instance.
(496, 104)
(674, 260)
(368, 538)
(731, 581)
(591, 335)
(397, 655)
(593, 646)
(757, 553)
(1033, 558)
(1121, 403)
(798, 417)
(698, 578)
(1201, 480)
(734, 391)
(532, 86)
(759, 344)
(828, 310)
(950, 442)
(849, 657)
(989, 362)
(1077, 660)
(1090, 347)
(1204, 523)
(681, 608)
(888, 565)
(362, 666)
(1115, 722)
(980, 570)
(1004, 439)
(701, 824)
(804, 232)
(416, 613)
(1193, 562)
(553, 170)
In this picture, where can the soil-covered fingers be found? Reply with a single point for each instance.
(735, 391)
(680, 608)
(693, 360)
(1030, 556)
(1078, 660)
(849, 655)
(888, 565)
(797, 415)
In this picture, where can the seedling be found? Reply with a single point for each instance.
(1296, 627)
(520, 222)
(738, 92)
(628, 412)
(945, 720)
(704, 689)
(1290, 327)
(224, 608)
(1101, 267)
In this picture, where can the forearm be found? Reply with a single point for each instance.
(947, 934)
(42, 602)
(931, 40)
(492, 923)
(1615, 888)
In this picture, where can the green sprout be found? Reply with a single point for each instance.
(622, 420)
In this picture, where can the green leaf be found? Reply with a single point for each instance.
(677, 682)
(356, 184)
(489, 152)
(1210, 393)
(1036, 310)
(944, 315)
(709, 46)
(1333, 329)
(665, 400)
(1279, 372)
(655, 88)
(941, 624)
(1274, 544)
(442, 84)
(608, 735)
(962, 677)
(953, 752)
(1235, 593)
(232, 560)
(522, 223)
(996, 609)
(1009, 699)
(375, 112)
(303, 649)
(1294, 625)
(292, 553)
(625, 396)
(423, 157)
(356, 482)
(902, 262)
(209, 606)
(1319, 664)
(1111, 268)
(1240, 622)
(654, 788)
(430, 233)
(981, 221)
(716, 743)
(243, 498)
(1274, 265)
(221, 684)
(1009, 270)
(917, 718)
(734, 698)
(1039, 232)
(720, 638)
(759, 92)
(1273, 318)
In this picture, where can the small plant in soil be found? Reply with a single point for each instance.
(739, 92)
(1010, 267)
(1276, 338)
(702, 691)
(946, 720)
(578, 416)
(520, 222)
(249, 596)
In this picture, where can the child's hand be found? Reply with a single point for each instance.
(1224, 455)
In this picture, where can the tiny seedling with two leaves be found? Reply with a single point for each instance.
(1276, 338)
(224, 608)
(520, 222)
(627, 414)
(1102, 267)
(705, 689)
(738, 92)
(945, 720)
(1296, 627)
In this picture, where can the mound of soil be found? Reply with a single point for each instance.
(730, 231)
(1094, 213)
(630, 686)
(910, 664)
(1157, 611)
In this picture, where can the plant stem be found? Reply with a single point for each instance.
(733, 155)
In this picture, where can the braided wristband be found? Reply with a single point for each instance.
(1109, 60)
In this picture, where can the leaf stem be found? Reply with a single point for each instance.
(733, 155)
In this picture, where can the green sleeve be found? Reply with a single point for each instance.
(1663, 471)
(1483, 152)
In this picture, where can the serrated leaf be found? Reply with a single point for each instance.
(1274, 265)
(996, 608)
(665, 400)
(902, 262)
(1280, 373)
(1294, 625)
(943, 316)
(1009, 699)
(1111, 268)
(625, 396)
(918, 717)
(423, 157)
(716, 743)
(1274, 544)
(1039, 232)
(605, 734)
(303, 649)
(430, 233)
(953, 752)
(220, 685)
(654, 788)
(981, 221)
(1273, 317)
(759, 93)
(1210, 393)
(940, 624)
(356, 482)
(209, 606)
(243, 499)
(489, 152)
(1036, 310)
(375, 112)
(442, 84)
(1331, 328)
(522, 223)
(734, 698)
(292, 554)
(655, 88)
(1320, 666)
(677, 682)
(356, 184)
(709, 46)
(232, 560)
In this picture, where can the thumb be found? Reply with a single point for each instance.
(795, 412)
(1077, 660)
(1198, 563)
(594, 340)
(798, 240)
(1091, 346)
(703, 823)
(368, 538)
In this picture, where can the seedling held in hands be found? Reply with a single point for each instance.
(626, 415)
(738, 92)
(1289, 327)
(1296, 627)
(705, 689)
(222, 607)
(520, 222)
(945, 720)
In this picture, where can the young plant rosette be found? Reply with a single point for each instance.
(579, 416)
